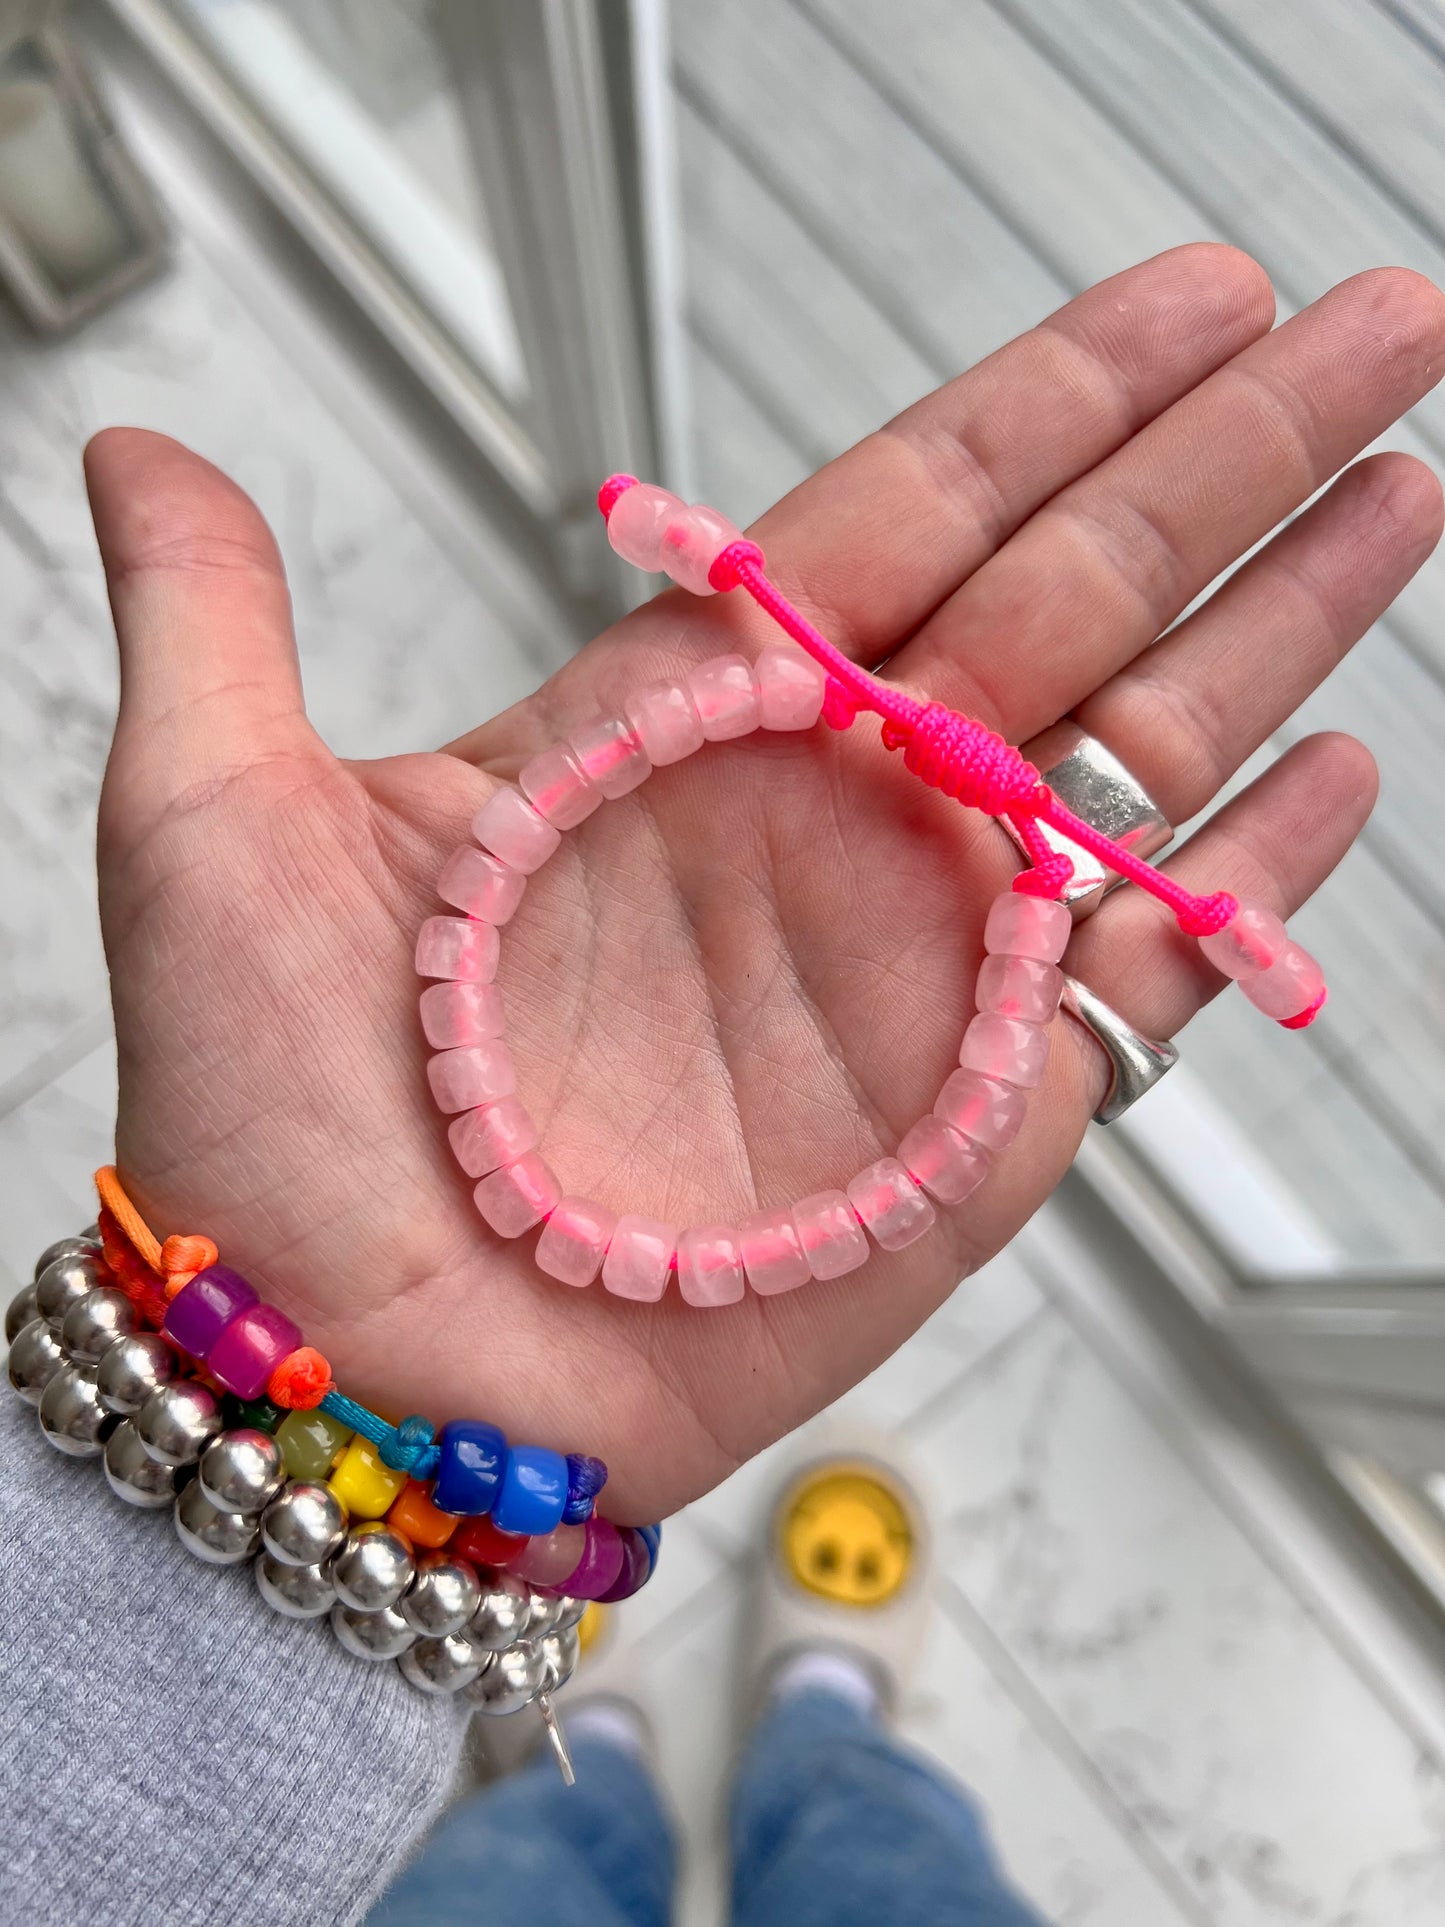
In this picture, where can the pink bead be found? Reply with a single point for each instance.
(1020, 987)
(458, 948)
(663, 715)
(790, 687)
(890, 1204)
(1006, 1048)
(1293, 984)
(945, 1164)
(511, 829)
(830, 1234)
(636, 524)
(478, 884)
(611, 755)
(600, 1566)
(475, 1074)
(558, 788)
(691, 541)
(1251, 942)
(1020, 926)
(772, 1252)
(981, 1109)
(250, 1348)
(574, 1241)
(710, 1266)
(725, 694)
(518, 1195)
(493, 1135)
(453, 1014)
(639, 1258)
(550, 1557)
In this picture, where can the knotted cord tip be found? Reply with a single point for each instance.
(1205, 916)
(614, 486)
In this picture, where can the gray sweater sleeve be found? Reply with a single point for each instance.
(170, 1749)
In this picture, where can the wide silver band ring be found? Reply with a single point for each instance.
(1092, 782)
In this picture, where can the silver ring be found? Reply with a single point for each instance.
(1092, 782)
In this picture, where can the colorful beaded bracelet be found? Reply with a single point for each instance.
(945, 1156)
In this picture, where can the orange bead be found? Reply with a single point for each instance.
(425, 1524)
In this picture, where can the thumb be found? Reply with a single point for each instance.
(209, 675)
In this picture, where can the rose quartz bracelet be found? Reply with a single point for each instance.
(946, 1155)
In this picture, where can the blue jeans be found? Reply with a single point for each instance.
(833, 1825)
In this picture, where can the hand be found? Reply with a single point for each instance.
(745, 981)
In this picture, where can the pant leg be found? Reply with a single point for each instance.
(599, 1854)
(834, 1824)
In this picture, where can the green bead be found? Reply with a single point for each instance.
(309, 1443)
(260, 1413)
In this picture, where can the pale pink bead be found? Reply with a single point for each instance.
(478, 884)
(1293, 984)
(981, 1109)
(459, 948)
(790, 687)
(611, 755)
(491, 1135)
(1020, 926)
(511, 829)
(772, 1252)
(574, 1241)
(639, 1258)
(1020, 987)
(691, 542)
(518, 1196)
(664, 717)
(725, 694)
(710, 1266)
(1250, 942)
(453, 1014)
(635, 526)
(549, 1558)
(476, 1074)
(558, 788)
(890, 1204)
(830, 1234)
(945, 1164)
(1006, 1048)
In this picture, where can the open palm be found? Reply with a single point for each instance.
(746, 980)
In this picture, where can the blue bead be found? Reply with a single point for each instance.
(469, 1471)
(651, 1537)
(534, 1491)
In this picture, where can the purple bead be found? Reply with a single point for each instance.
(201, 1310)
(636, 1567)
(601, 1564)
(250, 1348)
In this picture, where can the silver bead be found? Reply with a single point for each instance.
(133, 1367)
(547, 1612)
(22, 1308)
(374, 1566)
(296, 1592)
(444, 1665)
(84, 1246)
(220, 1538)
(570, 1612)
(94, 1322)
(241, 1470)
(379, 1635)
(65, 1282)
(442, 1597)
(512, 1681)
(502, 1614)
(35, 1358)
(71, 1414)
(178, 1421)
(133, 1475)
(560, 1653)
(304, 1524)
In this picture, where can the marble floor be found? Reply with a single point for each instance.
(1163, 1728)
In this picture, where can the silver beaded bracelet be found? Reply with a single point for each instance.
(104, 1390)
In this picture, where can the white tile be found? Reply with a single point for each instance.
(48, 1149)
(1251, 1755)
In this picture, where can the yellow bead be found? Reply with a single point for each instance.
(363, 1484)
